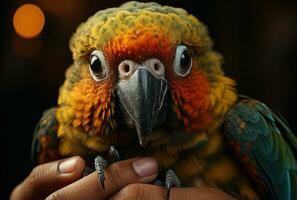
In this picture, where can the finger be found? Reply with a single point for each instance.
(140, 191)
(117, 176)
(153, 192)
(46, 178)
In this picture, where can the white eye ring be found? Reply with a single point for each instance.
(97, 66)
(183, 62)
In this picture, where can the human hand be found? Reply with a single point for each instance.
(62, 179)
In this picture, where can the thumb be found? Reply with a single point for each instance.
(49, 177)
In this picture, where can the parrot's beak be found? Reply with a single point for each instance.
(143, 100)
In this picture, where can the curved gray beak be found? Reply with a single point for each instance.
(143, 100)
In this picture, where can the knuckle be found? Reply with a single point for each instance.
(38, 175)
(115, 172)
(132, 191)
(33, 179)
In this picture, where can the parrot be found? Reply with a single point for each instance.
(146, 81)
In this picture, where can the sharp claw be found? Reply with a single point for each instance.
(102, 179)
(171, 180)
(100, 165)
(117, 155)
(114, 154)
(168, 188)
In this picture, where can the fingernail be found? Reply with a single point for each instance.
(145, 166)
(68, 165)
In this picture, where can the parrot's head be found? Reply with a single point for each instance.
(143, 66)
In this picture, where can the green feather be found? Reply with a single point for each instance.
(47, 126)
(271, 152)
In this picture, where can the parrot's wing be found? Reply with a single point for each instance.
(265, 146)
(45, 140)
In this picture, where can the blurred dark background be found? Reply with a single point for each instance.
(257, 38)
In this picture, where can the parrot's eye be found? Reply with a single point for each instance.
(97, 65)
(183, 61)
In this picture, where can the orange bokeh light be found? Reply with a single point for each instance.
(28, 20)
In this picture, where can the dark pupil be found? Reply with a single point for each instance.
(185, 60)
(96, 65)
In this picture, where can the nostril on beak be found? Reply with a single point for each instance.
(156, 67)
(126, 68)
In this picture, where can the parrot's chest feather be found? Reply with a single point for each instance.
(188, 154)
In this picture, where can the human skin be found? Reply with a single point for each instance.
(62, 180)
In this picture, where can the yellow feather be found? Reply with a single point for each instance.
(164, 159)
(247, 192)
(190, 166)
(76, 123)
(214, 145)
(222, 171)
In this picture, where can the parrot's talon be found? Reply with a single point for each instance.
(168, 188)
(171, 180)
(102, 180)
(113, 154)
(100, 164)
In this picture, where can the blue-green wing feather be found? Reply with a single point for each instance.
(45, 141)
(266, 143)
